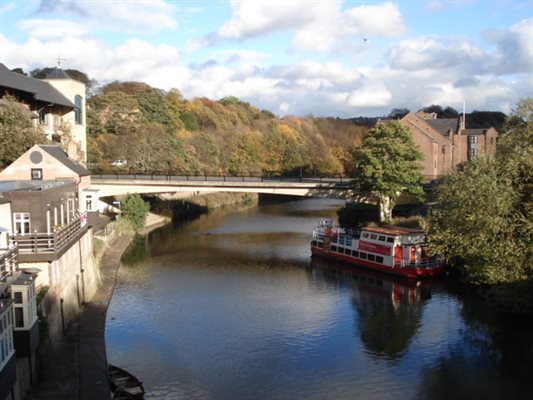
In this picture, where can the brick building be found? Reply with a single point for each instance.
(446, 143)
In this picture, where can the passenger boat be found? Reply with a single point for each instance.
(391, 249)
(124, 385)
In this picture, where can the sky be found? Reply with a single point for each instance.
(292, 57)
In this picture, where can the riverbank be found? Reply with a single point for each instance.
(77, 368)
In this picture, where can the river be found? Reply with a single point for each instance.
(231, 306)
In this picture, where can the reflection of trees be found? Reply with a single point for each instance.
(492, 360)
(136, 252)
(389, 309)
(388, 323)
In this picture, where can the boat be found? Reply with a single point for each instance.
(391, 249)
(124, 385)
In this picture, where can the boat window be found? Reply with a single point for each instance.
(379, 259)
(390, 240)
(365, 235)
(355, 253)
(371, 257)
(373, 236)
(362, 255)
(333, 248)
(382, 238)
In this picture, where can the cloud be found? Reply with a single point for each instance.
(514, 48)
(52, 28)
(320, 26)
(433, 53)
(140, 16)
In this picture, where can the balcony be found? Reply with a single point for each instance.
(8, 262)
(40, 247)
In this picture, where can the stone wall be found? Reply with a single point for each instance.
(71, 280)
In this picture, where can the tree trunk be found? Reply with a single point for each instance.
(385, 208)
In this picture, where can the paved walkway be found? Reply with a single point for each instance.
(92, 360)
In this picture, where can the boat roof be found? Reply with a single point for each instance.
(392, 230)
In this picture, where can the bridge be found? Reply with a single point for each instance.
(120, 184)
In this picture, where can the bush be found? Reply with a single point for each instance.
(134, 210)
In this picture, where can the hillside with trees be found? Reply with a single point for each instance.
(154, 130)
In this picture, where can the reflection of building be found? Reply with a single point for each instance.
(446, 143)
(57, 103)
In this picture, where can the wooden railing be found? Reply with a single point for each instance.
(50, 244)
(8, 262)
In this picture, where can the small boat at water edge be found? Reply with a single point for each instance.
(390, 249)
(124, 385)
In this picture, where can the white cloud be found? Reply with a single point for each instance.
(51, 28)
(320, 26)
(122, 15)
(433, 53)
(514, 48)
(372, 94)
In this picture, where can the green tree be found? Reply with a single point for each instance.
(17, 133)
(484, 219)
(387, 163)
(135, 210)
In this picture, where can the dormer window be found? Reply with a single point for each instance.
(78, 117)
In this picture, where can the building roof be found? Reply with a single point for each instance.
(58, 73)
(41, 91)
(59, 154)
(444, 125)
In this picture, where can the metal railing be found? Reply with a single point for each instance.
(173, 176)
(51, 243)
(8, 262)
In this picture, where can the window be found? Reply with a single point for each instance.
(17, 297)
(390, 240)
(381, 238)
(36, 174)
(379, 259)
(333, 248)
(355, 253)
(19, 317)
(362, 255)
(374, 237)
(78, 117)
(42, 117)
(22, 223)
(365, 235)
(371, 257)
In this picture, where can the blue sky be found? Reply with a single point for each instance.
(299, 57)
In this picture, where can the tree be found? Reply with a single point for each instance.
(135, 210)
(484, 219)
(386, 164)
(398, 113)
(17, 133)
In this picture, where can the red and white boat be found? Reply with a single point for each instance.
(391, 249)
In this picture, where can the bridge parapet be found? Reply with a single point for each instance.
(113, 185)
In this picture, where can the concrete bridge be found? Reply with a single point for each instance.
(120, 184)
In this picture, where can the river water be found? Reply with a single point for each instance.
(231, 306)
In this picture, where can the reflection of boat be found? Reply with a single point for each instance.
(397, 290)
(124, 385)
(391, 249)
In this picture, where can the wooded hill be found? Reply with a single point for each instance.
(157, 131)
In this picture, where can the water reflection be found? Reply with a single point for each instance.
(388, 309)
(231, 306)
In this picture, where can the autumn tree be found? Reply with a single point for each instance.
(386, 164)
(17, 133)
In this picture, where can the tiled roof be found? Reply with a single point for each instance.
(444, 125)
(59, 154)
(42, 91)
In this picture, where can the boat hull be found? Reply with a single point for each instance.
(406, 272)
